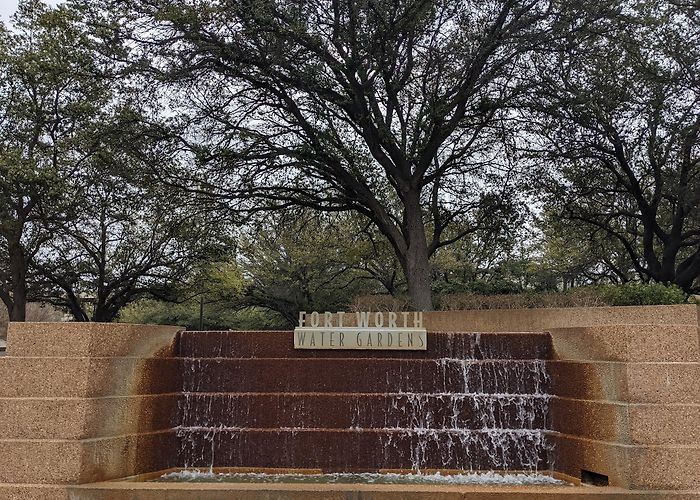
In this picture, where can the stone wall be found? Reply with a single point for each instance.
(89, 402)
(627, 404)
(84, 402)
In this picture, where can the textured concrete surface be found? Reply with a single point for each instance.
(535, 320)
(663, 382)
(83, 418)
(627, 423)
(87, 377)
(160, 491)
(33, 492)
(80, 403)
(636, 343)
(672, 467)
(664, 424)
(90, 340)
(44, 461)
(628, 403)
(631, 382)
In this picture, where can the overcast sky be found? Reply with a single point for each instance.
(8, 7)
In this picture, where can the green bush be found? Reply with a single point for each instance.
(640, 294)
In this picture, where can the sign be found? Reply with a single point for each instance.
(361, 330)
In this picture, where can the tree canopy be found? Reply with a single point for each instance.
(268, 156)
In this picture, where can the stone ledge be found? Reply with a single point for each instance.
(90, 340)
(87, 377)
(671, 343)
(82, 418)
(33, 492)
(665, 424)
(84, 461)
(648, 467)
(627, 423)
(532, 320)
(647, 382)
(203, 491)
(663, 382)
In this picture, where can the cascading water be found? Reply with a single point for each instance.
(472, 402)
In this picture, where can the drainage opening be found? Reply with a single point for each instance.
(589, 477)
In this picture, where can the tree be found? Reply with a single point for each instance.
(48, 100)
(484, 258)
(574, 254)
(128, 238)
(618, 116)
(300, 260)
(388, 109)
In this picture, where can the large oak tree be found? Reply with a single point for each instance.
(618, 117)
(50, 100)
(392, 109)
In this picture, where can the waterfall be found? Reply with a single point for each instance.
(472, 402)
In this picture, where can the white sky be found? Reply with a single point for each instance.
(8, 7)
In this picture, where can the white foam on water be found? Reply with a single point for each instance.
(475, 478)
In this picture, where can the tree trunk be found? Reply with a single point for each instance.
(18, 273)
(416, 261)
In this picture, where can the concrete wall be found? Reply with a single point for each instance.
(89, 402)
(627, 403)
(84, 402)
(534, 320)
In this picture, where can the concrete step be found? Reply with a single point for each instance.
(364, 375)
(208, 491)
(60, 461)
(630, 343)
(280, 344)
(345, 411)
(90, 339)
(627, 423)
(84, 418)
(646, 382)
(88, 377)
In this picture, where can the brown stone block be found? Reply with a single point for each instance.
(588, 380)
(600, 420)
(87, 377)
(665, 467)
(37, 461)
(33, 492)
(663, 382)
(667, 342)
(631, 382)
(111, 458)
(533, 320)
(90, 340)
(90, 460)
(626, 423)
(573, 454)
(664, 424)
(659, 467)
(78, 418)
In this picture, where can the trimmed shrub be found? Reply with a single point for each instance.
(629, 294)
(640, 294)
